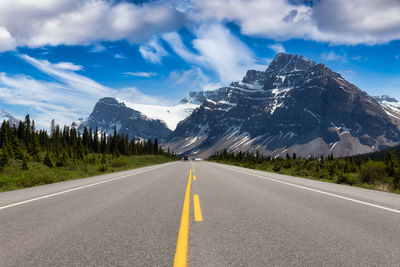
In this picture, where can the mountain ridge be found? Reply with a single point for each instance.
(295, 106)
(109, 113)
(6, 116)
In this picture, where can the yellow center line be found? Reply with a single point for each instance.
(182, 244)
(198, 217)
(194, 177)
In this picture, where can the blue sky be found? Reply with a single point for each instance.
(61, 56)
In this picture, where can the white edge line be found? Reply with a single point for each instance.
(74, 189)
(315, 190)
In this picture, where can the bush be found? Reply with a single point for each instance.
(118, 163)
(344, 179)
(276, 167)
(47, 161)
(102, 168)
(324, 174)
(372, 172)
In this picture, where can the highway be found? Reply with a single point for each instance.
(198, 214)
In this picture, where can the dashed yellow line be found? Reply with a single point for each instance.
(182, 244)
(198, 217)
(194, 177)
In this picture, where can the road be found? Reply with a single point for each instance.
(202, 214)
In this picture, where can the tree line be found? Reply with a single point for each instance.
(375, 169)
(24, 143)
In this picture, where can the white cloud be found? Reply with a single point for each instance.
(119, 56)
(275, 19)
(152, 51)
(72, 80)
(357, 58)
(7, 42)
(87, 22)
(334, 21)
(82, 22)
(193, 79)
(225, 53)
(218, 49)
(211, 86)
(180, 77)
(176, 43)
(132, 94)
(141, 74)
(194, 76)
(97, 48)
(332, 56)
(68, 66)
(358, 21)
(277, 48)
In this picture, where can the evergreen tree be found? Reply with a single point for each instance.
(4, 156)
(155, 146)
(47, 161)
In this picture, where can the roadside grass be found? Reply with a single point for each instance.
(351, 179)
(17, 176)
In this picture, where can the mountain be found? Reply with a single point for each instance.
(5, 116)
(109, 113)
(391, 106)
(201, 96)
(171, 115)
(295, 106)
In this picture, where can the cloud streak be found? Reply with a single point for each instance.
(216, 48)
(68, 66)
(66, 98)
(152, 51)
(277, 48)
(141, 74)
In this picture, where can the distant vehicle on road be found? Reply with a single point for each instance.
(185, 157)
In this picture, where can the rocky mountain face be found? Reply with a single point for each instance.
(295, 106)
(5, 116)
(108, 114)
(201, 96)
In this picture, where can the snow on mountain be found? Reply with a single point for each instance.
(5, 116)
(389, 102)
(391, 106)
(295, 106)
(171, 115)
(109, 114)
(78, 122)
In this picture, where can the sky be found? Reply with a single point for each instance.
(58, 57)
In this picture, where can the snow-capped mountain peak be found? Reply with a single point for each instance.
(390, 105)
(109, 114)
(295, 106)
(5, 116)
(171, 115)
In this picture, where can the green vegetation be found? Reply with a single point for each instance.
(369, 171)
(29, 157)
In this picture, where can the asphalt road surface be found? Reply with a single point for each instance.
(202, 214)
